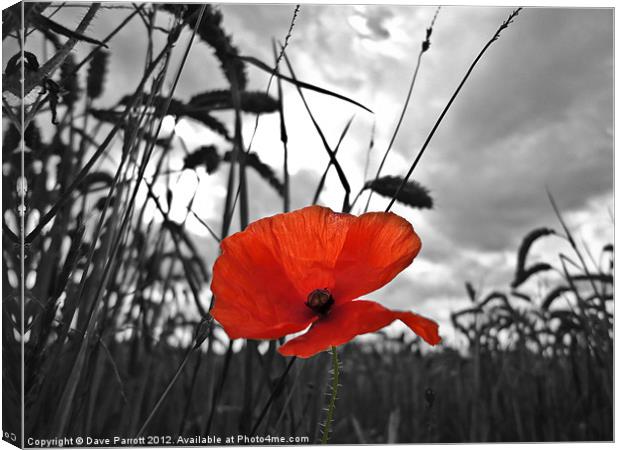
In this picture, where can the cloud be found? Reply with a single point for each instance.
(370, 22)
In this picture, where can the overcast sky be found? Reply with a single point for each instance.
(535, 113)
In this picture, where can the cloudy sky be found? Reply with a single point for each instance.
(536, 113)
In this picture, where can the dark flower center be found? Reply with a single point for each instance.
(320, 301)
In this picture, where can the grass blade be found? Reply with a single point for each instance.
(299, 84)
(319, 188)
(341, 174)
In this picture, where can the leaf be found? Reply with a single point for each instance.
(261, 65)
(413, 194)
(522, 296)
(52, 37)
(602, 277)
(45, 24)
(106, 115)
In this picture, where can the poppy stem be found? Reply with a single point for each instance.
(334, 395)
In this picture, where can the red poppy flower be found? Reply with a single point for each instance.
(309, 267)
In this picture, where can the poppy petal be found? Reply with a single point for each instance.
(254, 297)
(345, 321)
(307, 244)
(377, 248)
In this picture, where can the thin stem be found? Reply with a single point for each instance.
(371, 145)
(400, 121)
(22, 228)
(495, 37)
(425, 45)
(334, 395)
(283, 137)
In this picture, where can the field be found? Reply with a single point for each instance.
(114, 308)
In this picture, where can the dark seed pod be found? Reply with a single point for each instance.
(96, 74)
(320, 301)
(412, 194)
(57, 146)
(105, 115)
(11, 140)
(211, 31)
(523, 273)
(69, 81)
(31, 62)
(206, 155)
(92, 178)
(32, 136)
(253, 102)
(102, 201)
